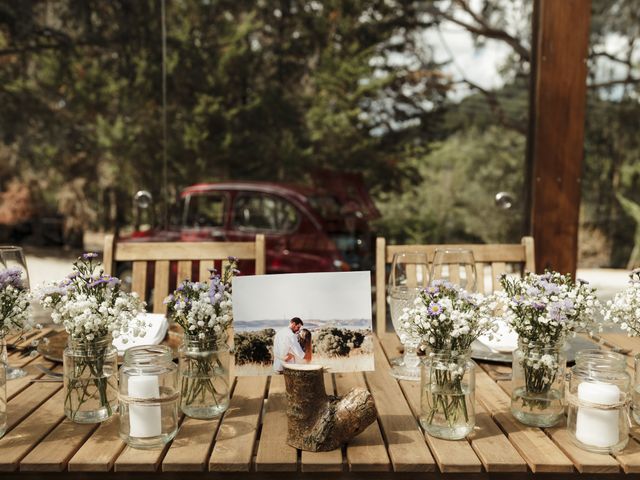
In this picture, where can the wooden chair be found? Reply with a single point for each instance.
(184, 253)
(499, 258)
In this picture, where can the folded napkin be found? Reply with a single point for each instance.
(157, 326)
(504, 340)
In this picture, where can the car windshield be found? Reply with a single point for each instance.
(327, 206)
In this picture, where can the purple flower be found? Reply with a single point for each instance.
(89, 255)
(216, 288)
(232, 259)
(550, 288)
(538, 305)
(434, 309)
(11, 277)
(432, 290)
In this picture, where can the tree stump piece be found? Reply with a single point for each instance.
(318, 422)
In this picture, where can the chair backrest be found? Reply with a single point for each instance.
(494, 258)
(142, 255)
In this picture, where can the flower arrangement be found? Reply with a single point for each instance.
(624, 309)
(547, 308)
(93, 309)
(446, 319)
(543, 310)
(15, 305)
(91, 305)
(204, 311)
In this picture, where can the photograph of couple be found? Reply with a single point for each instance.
(306, 318)
(291, 344)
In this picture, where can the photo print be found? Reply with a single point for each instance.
(302, 318)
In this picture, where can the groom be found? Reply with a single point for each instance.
(286, 348)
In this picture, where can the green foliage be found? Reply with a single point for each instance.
(254, 347)
(337, 342)
(453, 197)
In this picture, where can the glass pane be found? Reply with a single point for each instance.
(610, 209)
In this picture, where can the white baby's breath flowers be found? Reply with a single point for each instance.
(544, 309)
(204, 310)
(624, 310)
(90, 305)
(445, 317)
(15, 305)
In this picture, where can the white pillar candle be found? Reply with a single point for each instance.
(144, 420)
(594, 426)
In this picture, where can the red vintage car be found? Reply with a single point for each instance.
(307, 229)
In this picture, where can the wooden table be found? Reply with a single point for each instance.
(249, 440)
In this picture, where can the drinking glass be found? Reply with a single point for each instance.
(456, 266)
(13, 257)
(409, 275)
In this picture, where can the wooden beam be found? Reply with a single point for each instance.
(560, 97)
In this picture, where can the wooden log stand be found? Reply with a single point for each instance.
(318, 422)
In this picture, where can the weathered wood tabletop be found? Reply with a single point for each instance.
(249, 440)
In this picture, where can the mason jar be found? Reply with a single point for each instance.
(3, 387)
(635, 394)
(204, 376)
(447, 404)
(598, 414)
(537, 395)
(90, 380)
(149, 396)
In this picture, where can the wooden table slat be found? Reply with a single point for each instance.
(541, 454)
(16, 444)
(629, 458)
(53, 453)
(139, 460)
(494, 450)
(26, 402)
(100, 451)
(452, 456)
(190, 450)
(367, 451)
(406, 445)
(233, 450)
(585, 462)
(274, 454)
(19, 384)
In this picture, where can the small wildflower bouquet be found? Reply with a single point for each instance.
(445, 320)
(204, 311)
(624, 310)
(544, 310)
(15, 305)
(93, 309)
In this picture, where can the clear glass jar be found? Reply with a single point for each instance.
(447, 406)
(537, 395)
(598, 414)
(149, 396)
(90, 380)
(635, 399)
(3, 387)
(204, 377)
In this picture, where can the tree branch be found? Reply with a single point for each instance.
(482, 29)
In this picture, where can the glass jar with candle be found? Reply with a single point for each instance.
(149, 396)
(90, 380)
(537, 395)
(447, 404)
(204, 376)
(598, 415)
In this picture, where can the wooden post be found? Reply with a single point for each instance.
(560, 97)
